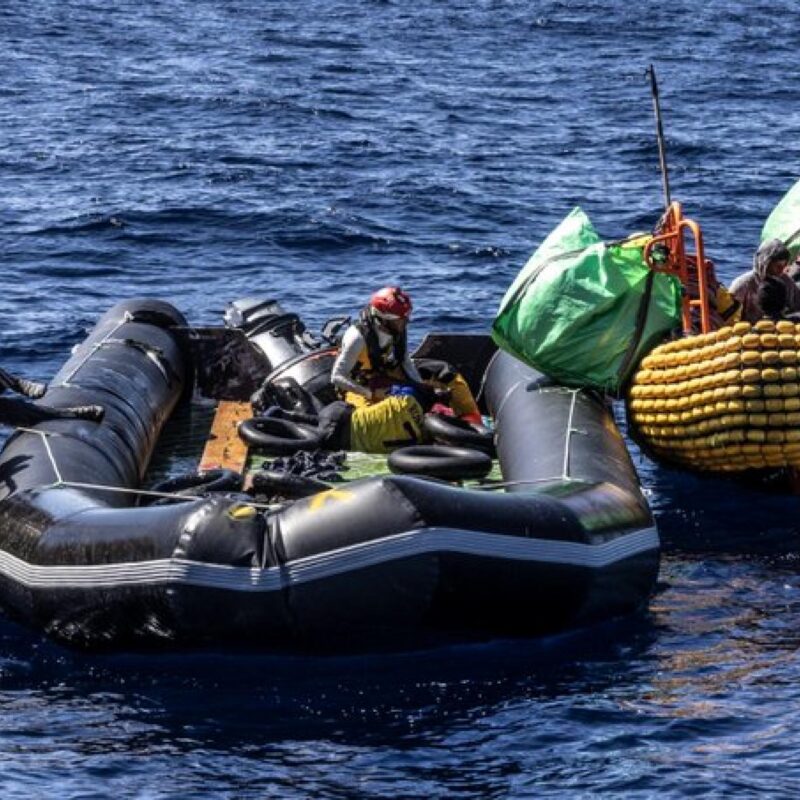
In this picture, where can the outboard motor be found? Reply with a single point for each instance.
(300, 364)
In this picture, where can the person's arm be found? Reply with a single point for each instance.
(410, 368)
(745, 290)
(352, 345)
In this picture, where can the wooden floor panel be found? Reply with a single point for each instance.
(224, 448)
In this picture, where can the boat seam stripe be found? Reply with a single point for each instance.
(325, 565)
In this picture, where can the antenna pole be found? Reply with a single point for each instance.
(662, 151)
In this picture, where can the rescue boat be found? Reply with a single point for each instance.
(565, 539)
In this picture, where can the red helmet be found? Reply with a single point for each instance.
(391, 302)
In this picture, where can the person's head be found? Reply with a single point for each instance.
(391, 307)
(771, 259)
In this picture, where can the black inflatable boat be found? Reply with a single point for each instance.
(566, 541)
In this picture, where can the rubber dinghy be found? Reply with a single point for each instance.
(386, 561)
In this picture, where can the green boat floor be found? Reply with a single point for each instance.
(358, 465)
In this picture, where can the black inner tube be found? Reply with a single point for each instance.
(459, 433)
(279, 436)
(441, 461)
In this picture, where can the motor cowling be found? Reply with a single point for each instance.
(300, 363)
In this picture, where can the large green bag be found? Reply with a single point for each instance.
(784, 221)
(585, 312)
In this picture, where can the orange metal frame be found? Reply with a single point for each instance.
(670, 235)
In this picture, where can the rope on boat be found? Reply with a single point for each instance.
(60, 482)
(126, 317)
(564, 477)
(559, 479)
(568, 436)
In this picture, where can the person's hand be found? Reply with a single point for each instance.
(772, 296)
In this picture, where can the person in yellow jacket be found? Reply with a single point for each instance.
(374, 351)
(380, 427)
(373, 356)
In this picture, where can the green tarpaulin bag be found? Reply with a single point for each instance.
(585, 312)
(784, 221)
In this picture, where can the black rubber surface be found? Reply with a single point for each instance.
(458, 433)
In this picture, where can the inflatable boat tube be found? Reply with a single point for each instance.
(547, 433)
(391, 561)
(440, 461)
(554, 439)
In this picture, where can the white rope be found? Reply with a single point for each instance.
(52, 458)
(45, 435)
(60, 482)
(149, 493)
(488, 487)
(565, 463)
(127, 317)
(568, 436)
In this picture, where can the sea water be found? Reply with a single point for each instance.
(202, 151)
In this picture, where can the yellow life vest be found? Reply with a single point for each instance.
(364, 374)
(384, 426)
(375, 361)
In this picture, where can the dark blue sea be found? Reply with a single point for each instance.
(202, 151)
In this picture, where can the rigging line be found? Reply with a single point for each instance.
(52, 458)
(568, 436)
(45, 435)
(150, 493)
(60, 482)
(490, 487)
(127, 317)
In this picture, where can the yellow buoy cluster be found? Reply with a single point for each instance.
(722, 401)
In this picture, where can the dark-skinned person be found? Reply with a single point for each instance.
(770, 262)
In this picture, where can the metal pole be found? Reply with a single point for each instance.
(662, 151)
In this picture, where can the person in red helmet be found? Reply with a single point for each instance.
(374, 350)
(385, 398)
